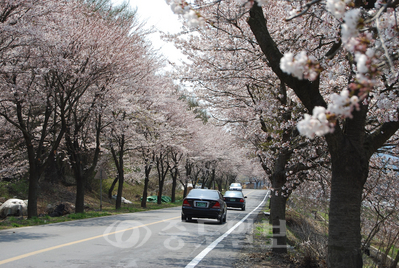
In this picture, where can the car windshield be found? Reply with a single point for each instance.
(235, 184)
(202, 193)
(233, 194)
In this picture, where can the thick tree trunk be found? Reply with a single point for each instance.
(344, 240)
(277, 219)
(350, 166)
(80, 194)
(32, 193)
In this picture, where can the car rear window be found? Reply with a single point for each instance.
(235, 184)
(233, 193)
(201, 193)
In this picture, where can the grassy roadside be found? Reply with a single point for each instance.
(14, 222)
(54, 194)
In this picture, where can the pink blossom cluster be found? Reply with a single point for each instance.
(343, 104)
(316, 124)
(337, 7)
(193, 18)
(322, 120)
(301, 66)
(349, 29)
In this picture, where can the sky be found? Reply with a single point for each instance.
(158, 14)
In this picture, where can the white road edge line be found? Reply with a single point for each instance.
(208, 249)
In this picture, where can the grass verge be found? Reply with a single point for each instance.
(14, 222)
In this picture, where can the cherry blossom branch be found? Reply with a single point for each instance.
(307, 7)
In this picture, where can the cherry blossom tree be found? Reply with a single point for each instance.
(317, 50)
(229, 77)
(28, 95)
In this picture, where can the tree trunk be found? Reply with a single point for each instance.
(219, 183)
(120, 190)
(174, 184)
(160, 190)
(80, 194)
(344, 240)
(349, 173)
(163, 169)
(80, 178)
(147, 171)
(32, 193)
(278, 202)
(185, 191)
(394, 263)
(277, 218)
(145, 194)
(174, 172)
(184, 187)
(111, 189)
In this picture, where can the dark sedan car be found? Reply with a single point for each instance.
(235, 199)
(204, 203)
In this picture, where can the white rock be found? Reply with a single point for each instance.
(15, 207)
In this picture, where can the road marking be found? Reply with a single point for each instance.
(208, 249)
(78, 241)
(250, 192)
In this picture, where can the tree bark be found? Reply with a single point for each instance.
(394, 263)
(278, 203)
(147, 170)
(162, 168)
(173, 173)
(80, 194)
(277, 218)
(118, 204)
(118, 160)
(32, 193)
(111, 189)
(344, 240)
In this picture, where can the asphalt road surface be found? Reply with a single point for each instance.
(143, 239)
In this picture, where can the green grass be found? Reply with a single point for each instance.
(14, 222)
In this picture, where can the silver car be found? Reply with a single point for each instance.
(235, 187)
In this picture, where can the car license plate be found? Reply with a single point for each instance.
(201, 204)
(232, 199)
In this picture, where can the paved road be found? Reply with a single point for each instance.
(144, 239)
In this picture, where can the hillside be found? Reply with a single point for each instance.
(55, 194)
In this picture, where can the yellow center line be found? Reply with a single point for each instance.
(78, 241)
(250, 192)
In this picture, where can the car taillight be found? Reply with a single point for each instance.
(241, 200)
(216, 205)
(224, 198)
(186, 203)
